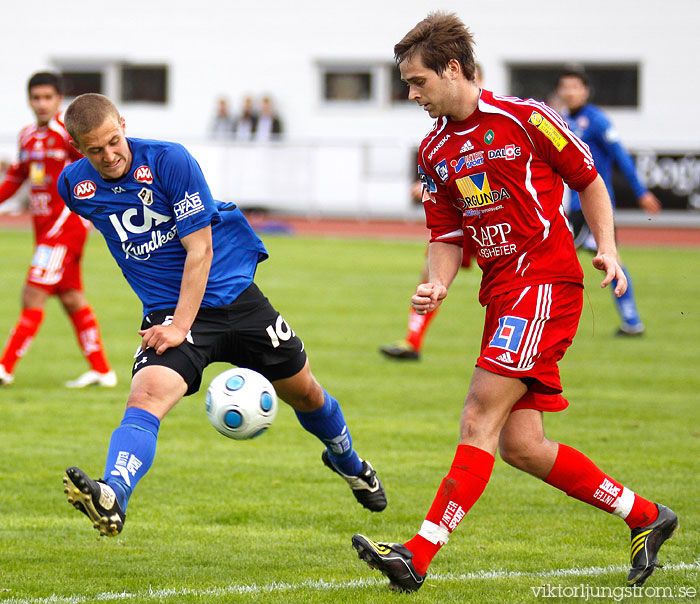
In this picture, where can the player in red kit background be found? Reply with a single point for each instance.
(59, 235)
(492, 170)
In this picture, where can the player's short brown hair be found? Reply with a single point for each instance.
(439, 38)
(87, 112)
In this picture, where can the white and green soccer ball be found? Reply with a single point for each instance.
(241, 403)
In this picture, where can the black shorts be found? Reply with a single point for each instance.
(249, 332)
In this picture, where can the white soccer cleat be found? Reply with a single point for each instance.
(93, 378)
(5, 378)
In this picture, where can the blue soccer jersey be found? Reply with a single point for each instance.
(592, 126)
(143, 215)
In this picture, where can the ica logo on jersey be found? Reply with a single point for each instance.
(84, 190)
(131, 221)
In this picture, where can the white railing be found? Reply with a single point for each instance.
(358, 179)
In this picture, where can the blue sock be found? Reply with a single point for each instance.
(328, 424)
(626, 304)
(131, 452)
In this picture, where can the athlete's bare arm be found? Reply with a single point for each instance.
(194, 282)
(597, 209)
(444, 260)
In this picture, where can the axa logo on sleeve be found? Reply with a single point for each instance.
(143, 174)
(84, 190)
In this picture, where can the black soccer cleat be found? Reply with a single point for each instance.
(366, 487)
(95, 499)
(394, 560)
(646, 543)
(402, 351)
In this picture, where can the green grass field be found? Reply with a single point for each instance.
(263, 521)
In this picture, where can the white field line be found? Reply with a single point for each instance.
(321, 585)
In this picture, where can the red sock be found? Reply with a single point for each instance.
(459, 491)
(21, 337)
(88, 333)
(580, 478)
(417, 326)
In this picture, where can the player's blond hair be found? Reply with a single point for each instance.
(439, 38)
(87, 112)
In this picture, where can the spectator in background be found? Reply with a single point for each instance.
(269, 123)
(246, 124)
(223, 123)
(590, 124)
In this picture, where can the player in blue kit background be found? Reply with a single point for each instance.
(590, 124)
(191, 260)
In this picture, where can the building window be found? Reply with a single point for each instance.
(398, 92)
(126, 82)
(347, 85)
(76, 83)
(372, 85)
(144, 83)
(611, 85)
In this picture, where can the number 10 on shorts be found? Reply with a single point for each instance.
(279, 331)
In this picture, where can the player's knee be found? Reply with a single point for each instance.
(302, 392)
(73, 301)
(519, 452)
(480, 423)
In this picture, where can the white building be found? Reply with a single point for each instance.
(338, 156)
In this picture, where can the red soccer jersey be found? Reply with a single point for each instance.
(496, 178)
(43, 152)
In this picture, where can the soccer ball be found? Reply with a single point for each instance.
(241, 403)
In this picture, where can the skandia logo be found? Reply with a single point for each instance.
(436, 148)
(84, 190)
(143, 174)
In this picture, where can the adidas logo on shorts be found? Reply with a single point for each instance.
(505, 357)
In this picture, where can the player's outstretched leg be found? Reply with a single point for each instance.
(132, 449)
(394, 560)
(328, 425)
(96, 500)
(651, 524)
(646, 543)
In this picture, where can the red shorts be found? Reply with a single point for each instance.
(55, 269)
(526, 333)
